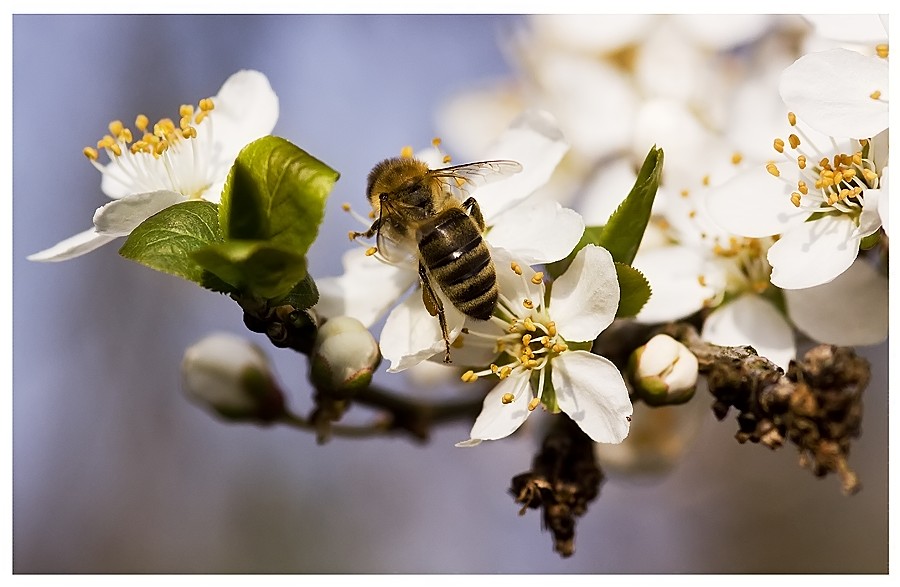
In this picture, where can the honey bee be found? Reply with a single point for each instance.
(427, 215)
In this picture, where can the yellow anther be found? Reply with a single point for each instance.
(126, 135)
(801, 161)
(141, 122)
(371, 251)
(869, 175)
(469, 376)
(875, 95)
(771, 168)
(705, 180)
(692, 214)
(795, 199)
(206, 104)
(845, 193)
(436, 142)
(701, 279)
(533, 404)
(200, 116)
(529, 305)
(160, 148)
(189, 132)
(857, 158)
(863, 143)
(494, 368)
(345, 207)
(685, 193)
(736, 158)
(529, 324)
(779, 145)
(508, 398)
(846, 159)
(106, 142)
(186, 111)
(881, 50)
(818, 184)
(116, 127)
(537, 278)
(526, 340)
(794, 140)
(505, 371)
(838, 176)
(90, 153)
(351, 235)
(837, 161)
(517, 269)
(545, 341)
(792, 119)
(447, 159)
(406, 152)
(551, 328)
(824, 163)
(801, 186)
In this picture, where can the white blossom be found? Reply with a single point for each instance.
(170, 162)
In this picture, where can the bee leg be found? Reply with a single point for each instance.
(474, 211)
(367, 234)
(435, 307)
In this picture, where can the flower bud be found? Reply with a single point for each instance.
(344, 357)
(664, 371)
(232, 377)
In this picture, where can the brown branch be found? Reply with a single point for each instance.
(817, 404)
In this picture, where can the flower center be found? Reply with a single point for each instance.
(530, 340)
(166, 156)
(833, 185)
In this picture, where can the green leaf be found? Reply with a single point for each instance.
(165, 241)
(622, 233)
(258, 267)
(634, 288)
(275, 192)
(303, 295)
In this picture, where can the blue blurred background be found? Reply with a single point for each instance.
(115, 471)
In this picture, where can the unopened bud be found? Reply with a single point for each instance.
(344, 357)
(664, 371)
(232, 377)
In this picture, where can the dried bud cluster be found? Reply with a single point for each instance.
(564, 479)
(817, 405)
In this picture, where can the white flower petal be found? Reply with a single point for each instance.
(670, 64)
(592, 33)
(584, 299)
(752, 320)
(120, 217)
(246, 108)
(850, 310)
(412, 335)
(498, 420)
(674, 274)
(870, 218)
(606, 190)
(594, 102)
(74, 246)
(591, 391)
(366, 289)
(672, 125)
(721, 32)
(842, 109)
(852, 28)
(537, 233)
(754, 204)
(535, 141)
(469, 122)
(478, 348)
(813, 253)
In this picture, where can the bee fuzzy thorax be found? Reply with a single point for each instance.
(392, 175)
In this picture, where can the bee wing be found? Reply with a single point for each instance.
(392, 246)
(463, 179)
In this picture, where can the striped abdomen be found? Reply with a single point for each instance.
(460, 263)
